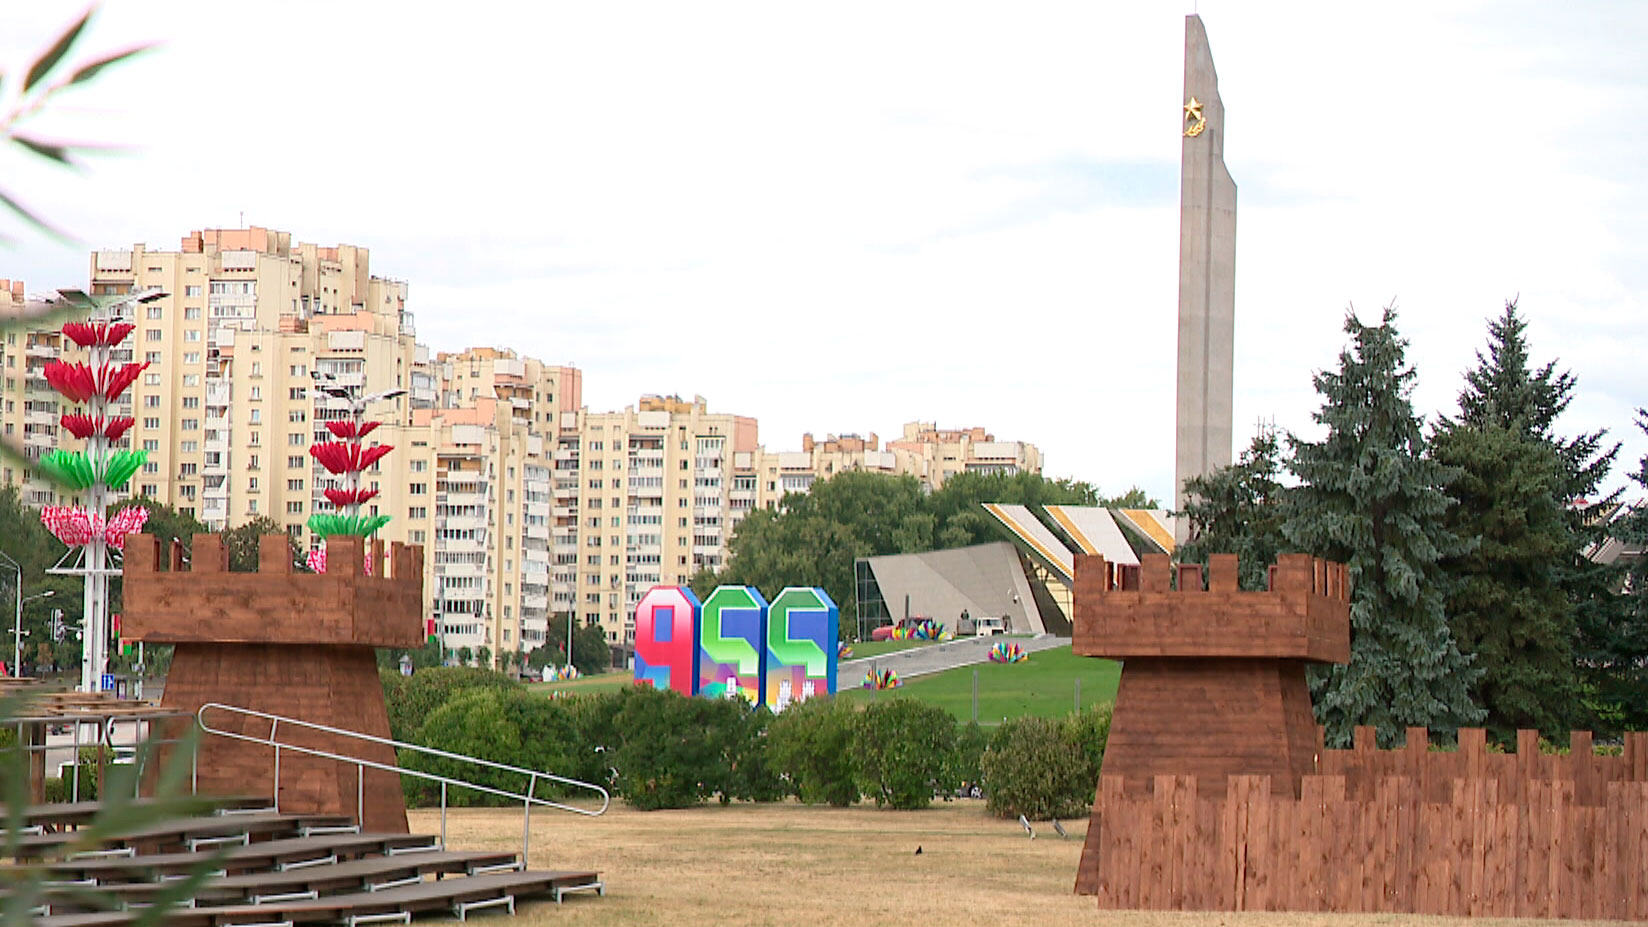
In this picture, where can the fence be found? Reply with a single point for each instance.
(1465, 833)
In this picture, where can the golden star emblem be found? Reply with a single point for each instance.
(1193, 115)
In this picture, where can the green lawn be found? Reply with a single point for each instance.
(605, 682)
(1044, 685)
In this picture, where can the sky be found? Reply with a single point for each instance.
(842, 217)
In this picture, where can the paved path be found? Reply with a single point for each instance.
(936, 658)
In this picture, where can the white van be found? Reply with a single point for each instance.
(989, 627)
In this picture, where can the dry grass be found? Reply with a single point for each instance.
(787, 864)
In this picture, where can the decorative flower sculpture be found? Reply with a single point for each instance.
(346, 456)
(1008, 653)
(886, 679)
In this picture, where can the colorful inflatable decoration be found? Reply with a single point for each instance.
(925, 629)
(731, 625)
(886, 679)
(1008, 653)
(842, 651)
(802, 655)
(347, 457)
(736, 645)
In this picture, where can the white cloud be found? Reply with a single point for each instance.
(843, 217)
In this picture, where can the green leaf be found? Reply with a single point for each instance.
(43, 65)
(48, 150)
(88, 71)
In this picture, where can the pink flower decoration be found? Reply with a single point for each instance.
(79, 383)
(343, 497)
(72, 525)
(83, 426)
(348, 458)
(129, 520)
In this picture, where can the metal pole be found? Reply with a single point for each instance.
(1078, 695)
(17, 630)
(975, 696)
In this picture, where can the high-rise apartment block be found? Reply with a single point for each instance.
(531, 508)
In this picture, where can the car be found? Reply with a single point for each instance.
(989, 627)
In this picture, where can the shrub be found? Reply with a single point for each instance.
(753, 773)
(474, 724)
(903, 751)
(1090, 729)
(1035, 768)
(412, 699)
(967, 761)
(812, 743)
(671, 749)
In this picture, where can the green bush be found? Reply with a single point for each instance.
(812, 743)
(472, 723)
(1034, 767)
(967, 760)
(1090, 729)
(673, 751)
(903, 752)
(412, 699)
(752, 773)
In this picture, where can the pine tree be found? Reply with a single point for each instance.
(1371, 499)
(1238, 510)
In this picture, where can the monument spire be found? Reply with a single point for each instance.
(1207, 277)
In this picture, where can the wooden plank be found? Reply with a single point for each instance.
(1261, 863)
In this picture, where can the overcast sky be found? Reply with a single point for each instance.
(841, 217)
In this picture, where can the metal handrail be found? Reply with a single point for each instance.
(527, 798)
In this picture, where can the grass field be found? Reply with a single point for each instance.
(1044, 685)
(787, 864)
(605, 682)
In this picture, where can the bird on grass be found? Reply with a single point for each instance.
(1025, 823)
(918, 849)
(1060, 829)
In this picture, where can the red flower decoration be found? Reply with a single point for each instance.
(348, 429)
(70, 524)
(348, 458)
(87, 334)
(83, 426)
(79, 383)
(343, 497)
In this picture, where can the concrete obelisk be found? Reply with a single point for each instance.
(1207, 276)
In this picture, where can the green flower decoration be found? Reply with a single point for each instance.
(351, 525)
(79, 472)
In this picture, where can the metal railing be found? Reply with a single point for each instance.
(528, 799)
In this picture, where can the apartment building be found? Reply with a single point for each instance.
(644, 496)
(29, 408)
(933, 455)
(488, 455)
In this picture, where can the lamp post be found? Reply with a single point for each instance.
(17, 626)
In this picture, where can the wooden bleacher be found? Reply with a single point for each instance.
(266, 868)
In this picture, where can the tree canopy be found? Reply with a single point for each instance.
(1238, 510)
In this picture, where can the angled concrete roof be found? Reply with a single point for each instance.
(985, 580)
(1039, 542)
(1094, 531)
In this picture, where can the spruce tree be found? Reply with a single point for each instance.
(1238, 510)
(1370, 498)
(1505, 391)
(1615, 651)
(1505, 603)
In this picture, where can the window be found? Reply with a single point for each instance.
(251, 506)
(294, 439)
(191, 357)
(152, 312)
(257, 393)
(417, 489)
(151, 379)
(151, 401)
(295, 392)
(192, 289)
(251, 484)
(296, 415)
(187, 469)
(296, 460)
(294, 508)
(189, 447)
(415, 537)
(418, 512)
(150, 444)
(151, 468)
(294, 486)
(191, 313)
(149, 490)
(257, 416)
(151, 357)
(151, 334)
(191, 402)
(254, 464)
(299, 370)
(192, 334)
(151, 424)
(257, 369)
(191, 379)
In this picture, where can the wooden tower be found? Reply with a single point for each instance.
(295, 645)
(1213, 679)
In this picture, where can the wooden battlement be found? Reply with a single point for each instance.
(203, 601)
(1305, 615)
